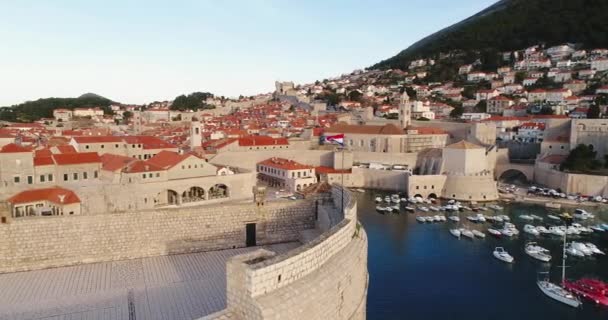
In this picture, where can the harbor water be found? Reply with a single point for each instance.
(421, 271)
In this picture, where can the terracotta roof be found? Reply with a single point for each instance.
(284, 164)
(387, 129)
(142, 166)
(463, 144)
(97, 139)
(56, 195)
(76, 158)
(14, 148)
(43, 161)
(426, 130)
(261, 141)
(148, 142)
(326, 170)
(66, 149)
(167, 159)
(46, 152)
(114, 162)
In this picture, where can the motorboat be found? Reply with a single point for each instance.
(594, 248)
(526, 217)
(395, 198)
(478, 234)
(454, 218)
(421, 219)
(501, 254)
(412, 200)
(495, 218)
(437, 218)
(570, 230)
(410, 209)
(510, 226)
(387, 199)
(604, 226)
(378, 199)
(505, 217)
(542, 230)
(494, 232)
(581, 228)
(483, 209)
(582, 214)
(597, 228)
(442, 218)
(430, 219)
(467, 233)
(360, 190)
(537, 252)
(495, 207)
(480, 217)
(474, 209)
(388, 209)
(466, 208)
(552, 217)
(557, 292)
(557, 231)
(403, 199)
(507, 232)
(535, 217)
(582, 248)
(433, 208)
(574, 252)
(425, 209)
(472, 218)
(591, 289)
(396, 207)
(380, 208)
(528, 228)
(455, 232)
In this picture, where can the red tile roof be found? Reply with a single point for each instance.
(142, 166)
(326, 170)
(14, 148)
(56, 195)
(43, 161)
(427, 130)
(76, 158)
(387, 129)
(97, 139)
(148, 142)
(168, 159)
(262, 141)
(66, 149)
(284, 164)
(114, 162)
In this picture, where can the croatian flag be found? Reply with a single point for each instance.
(337, 139)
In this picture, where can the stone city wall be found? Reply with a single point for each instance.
(44, 242)
(324, 279)
(590, 185)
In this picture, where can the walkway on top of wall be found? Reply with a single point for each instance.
(187, 286)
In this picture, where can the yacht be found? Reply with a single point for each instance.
(526, 217)
(425, 209)
(501, 254)
(557, 292)
(478, 234)
(535, 217)
(411, 200)
(396, 207)
(455, 232)
(410, 209)
(378, 199)
(557, 231)
(594, 248)
(573, 251)
(430, 219)
(472, 218)
(537, 252)
(387, 199)
(437, 218)
(531, 230)
(442, 218)
(454, 218)
(421, 219)
(511, 227)
(582, 248)
(433, 208)
(542, 230)
(552, 217)
(481, 217)
(582, 214)
(494, 232)
(507, 232)
(467, 233)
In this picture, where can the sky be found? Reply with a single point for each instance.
(143, 51)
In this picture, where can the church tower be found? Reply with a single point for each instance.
(196, 137)
(405, 117)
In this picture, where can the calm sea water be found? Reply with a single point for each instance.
(420, 271)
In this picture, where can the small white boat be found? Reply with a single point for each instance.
(582, 248)
(495, 207)
(454, 218)
(380, 208)
(543, 230)
(442, 218)
(430, 219)
(501, 254)
(396, 208)
(573, 252)
(360, 190)
(387, 199)
(455, 232)
(403, 199)
(552, 217)
(378, 199)
(494, 232)
(507, 232)
(594, 248)
(526, 217)
(421, 219)
(535, 217)
(388, 209)
(396, 200)
(466, 208)
(597, 228)
(537, 252)
(483, 209)
(437, 218)
(410, 209)
(505, 217)
(557, 231)
(531, 230)
(478, 234)
(425, 209)
(472, 218)
(433, 208)
(467, 233)
(582, 214)
(481, 217)
(558, 293)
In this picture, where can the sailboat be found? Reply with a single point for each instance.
(557, 292)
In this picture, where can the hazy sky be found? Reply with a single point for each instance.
(141, 51)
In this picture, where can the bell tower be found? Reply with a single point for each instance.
(405, 117)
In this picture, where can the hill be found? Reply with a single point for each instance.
(43, 108)
(513, 25)
(92, 95)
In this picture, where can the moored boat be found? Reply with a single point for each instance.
(501, 254)
(378, 199)
(454, 218)
(478, 234)
(526, 217)
(530, 229)
(552, 217)
(421, 219)
(557, 292)
(455, 232)
(494, 232)
(592, 289)
(537, 252)
(467, 233)
(410, 209)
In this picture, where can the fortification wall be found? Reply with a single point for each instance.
(249, 159)
(590, 185)
(43, 242)
(325, 279)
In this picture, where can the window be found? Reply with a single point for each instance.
(115, 146)
(65, 177)
(50, 177)
(95, 174)
(102, 146)
(143, 175)
(85, 175)
(75, 175)
(150, 175)
(30, 179)
(189, 166)
(157, 174)
(86, 146)
(17, 179)
(562, 147)
(42, 178)
(417, 187)
(183, 167)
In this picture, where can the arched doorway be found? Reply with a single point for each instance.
(172, 197)
(432, 196)
(513, 176)
(418, 195)
(218, 191)
(194, 194)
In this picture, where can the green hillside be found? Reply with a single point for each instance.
(515, 24)
(43, 108)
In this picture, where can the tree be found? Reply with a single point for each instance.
(581, 159)
(482, 106)
(127, 115)
(355, 95)
(411, 93)
(457, 112)
(546, 110)
(520, 76)
(193, 101)
(593, 112)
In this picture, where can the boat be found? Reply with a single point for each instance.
(495, 207)
(454, 218)
(378, 199)
(410, 209)
(556, 292)
(478, 234)
(483, 209)
(380, 208)
(425, 209)
(437, 218)
(403, 199)
(442, 218)
(604, 226)
(412, 200)
(466, 208)
(597, 228)
(511, 227)
(455, 232)
(474, 209)
(556, 218)
(507, 232)
(573, 251)
(501, 254)
(467, 233)
(494, 232)
(528, 228)
(430, 219)
(360, 190)
(535, 217)
(581, 228)
(537, 252)
(421, 219)
(395, 198)
(396, 207)
(433, 208)
(591, 289)
(582, 248)
(557, 231)
(472, 218)
(526, 217)
(594, 248)
(388, 209)
(505, 217)
(481, 217)
(582, 214)
(387, 199)
(542, 230)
